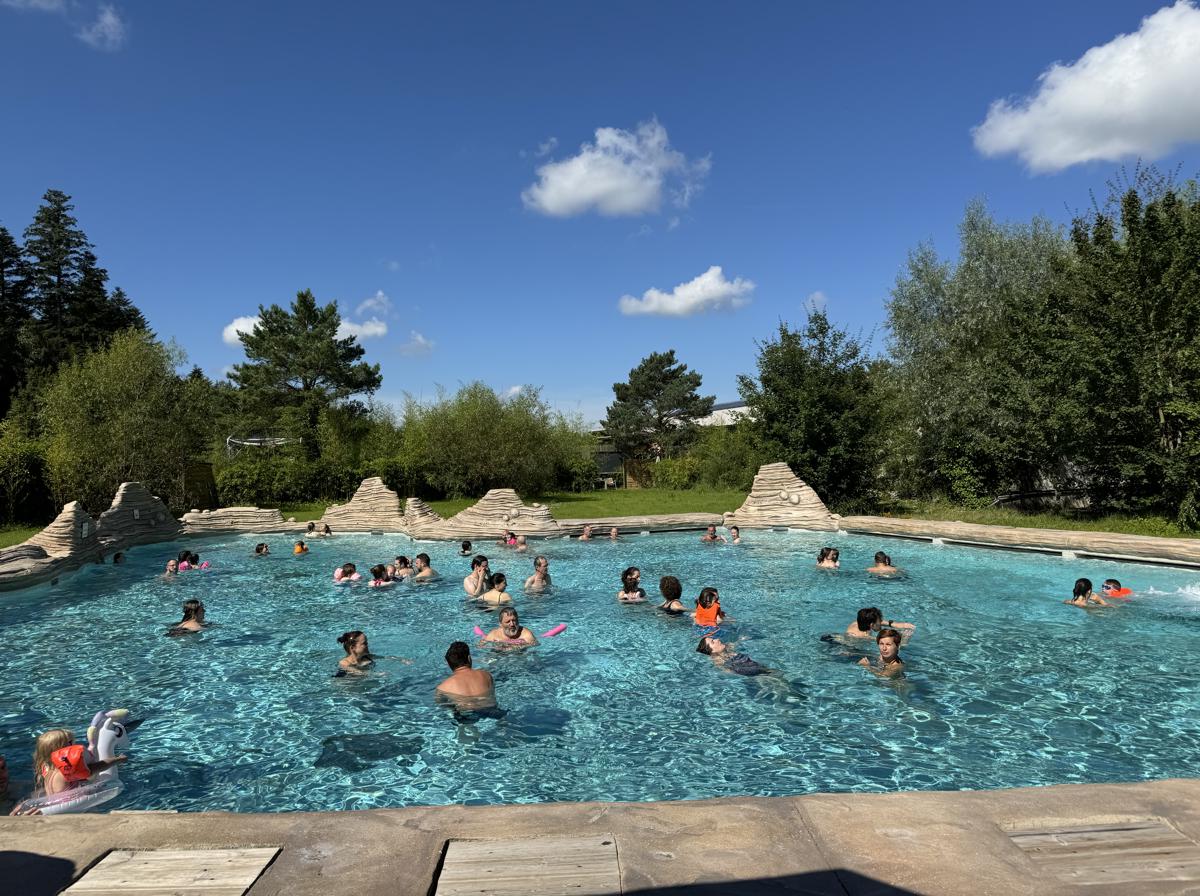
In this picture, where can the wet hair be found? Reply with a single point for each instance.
(191, 609)
(867, 617)
(194, 558)
(670, 588)
(185, 556)
(423, 557)
(458, 655)
(704, 647)
(47, 743)
(890, 633)
(402, 562)
(734, 529)
(348, 569)
(348, 639)
(477, 561)
(882, 559)
(539, 560)
(327, 530)
(300, 544)
(466, 549)
(378, 571)
(1083, 587)
(708, 597)
(1110, 583)
(119, 557)
(260, 548)
(498, 581)
(510, 611)
(628, 579)
(827, 554)
(312, 527)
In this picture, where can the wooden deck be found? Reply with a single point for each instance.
(174, 872)
(1123, 852)
(540, 866)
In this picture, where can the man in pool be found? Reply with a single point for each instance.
(711, 536)
(540, 580)
(510, 630)
(870, 622)
(424, 570)
(477, 581)
(466, 687)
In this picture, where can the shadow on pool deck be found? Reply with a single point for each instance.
(835, 882)
(32, 874)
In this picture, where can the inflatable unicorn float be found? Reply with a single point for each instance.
(106, 737)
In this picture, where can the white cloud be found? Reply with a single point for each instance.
(708, 292)
(673, 222)
(376, 304)
(236, 326)
(546, 147)
(1137, 95)
(107, 33)
(368, 329)
(392, 264)
(37, 5)
(416, 345)
(622, 173)
(512, 391)
(816, 301)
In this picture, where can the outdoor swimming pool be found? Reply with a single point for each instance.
(1005, 687)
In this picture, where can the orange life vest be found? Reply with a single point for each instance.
(71, 763)
(707, 616)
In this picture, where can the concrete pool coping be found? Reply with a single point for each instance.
(929, 843)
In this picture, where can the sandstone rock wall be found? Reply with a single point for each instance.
(235, 519)
(499, 509)
(778, 497)
(67, 543)
(420, 518)
(136, 517)
(374, 506)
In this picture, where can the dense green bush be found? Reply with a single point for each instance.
(24, 480)
(268, 480)
(726, 457)
(671, 472)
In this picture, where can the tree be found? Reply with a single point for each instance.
(120, 414)
(15, 314)
(813, 407)
(298, 366)
(655, 412)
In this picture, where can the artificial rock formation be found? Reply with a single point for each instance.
(136, 517)
(66, 544)
(499, 509)
(420, 518)
(374, 506)
(234, 519)
(778, 497)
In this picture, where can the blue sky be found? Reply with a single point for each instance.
(486, 182)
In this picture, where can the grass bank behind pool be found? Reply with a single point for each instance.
(10, 535)
(919, 509)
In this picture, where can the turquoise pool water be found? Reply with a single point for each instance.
(1006, 686)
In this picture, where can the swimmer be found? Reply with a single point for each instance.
(1083, 596)
(510, 630)
(506, 539)
(496, 593)
(358, 655)
(735, 535)
(261, 549)
(827, 558)
(711, 536)
(192, 621)
(727, 659)
(403, 568)
(614, 533)
(671, 591)
(540, 580)
(424, 572)
(59, 762)
(347, 572)
(326, 531)
(889, 664)
(466, 687)
(631, 590)
(1111, 588)
(708, 611)
(870, 622)
(311, 529)
(465, 550)
(379, 576)
(883, 565)
(586, 534)
(477, 581)
(172, 568)
(300, 548)
(521, 547)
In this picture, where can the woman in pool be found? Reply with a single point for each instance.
(262, 549)
(614, 533)
(827, 558)
(883, 565)
(326, 531)
(1083, 596)
(729, 660)
(735, 535)
(403, 568)
(889, 664)
(311, 529)
(465, 550)
(192, 621)
(671, 591)
(631, 590)
(496, 595)
(358, 655)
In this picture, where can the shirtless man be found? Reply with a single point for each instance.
(870, 622)
(510, 631)
(466, 685)
(883, 565)
(540, 580)
(889, 664)
(711, 536)
(586, 534)
(424, 570)
(476, 583)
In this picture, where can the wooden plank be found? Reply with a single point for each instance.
(175, 872)
(543, 866)
(1132, 851)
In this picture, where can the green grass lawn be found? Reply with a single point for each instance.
(10, 535)
(313, 510)
(1005, 516)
